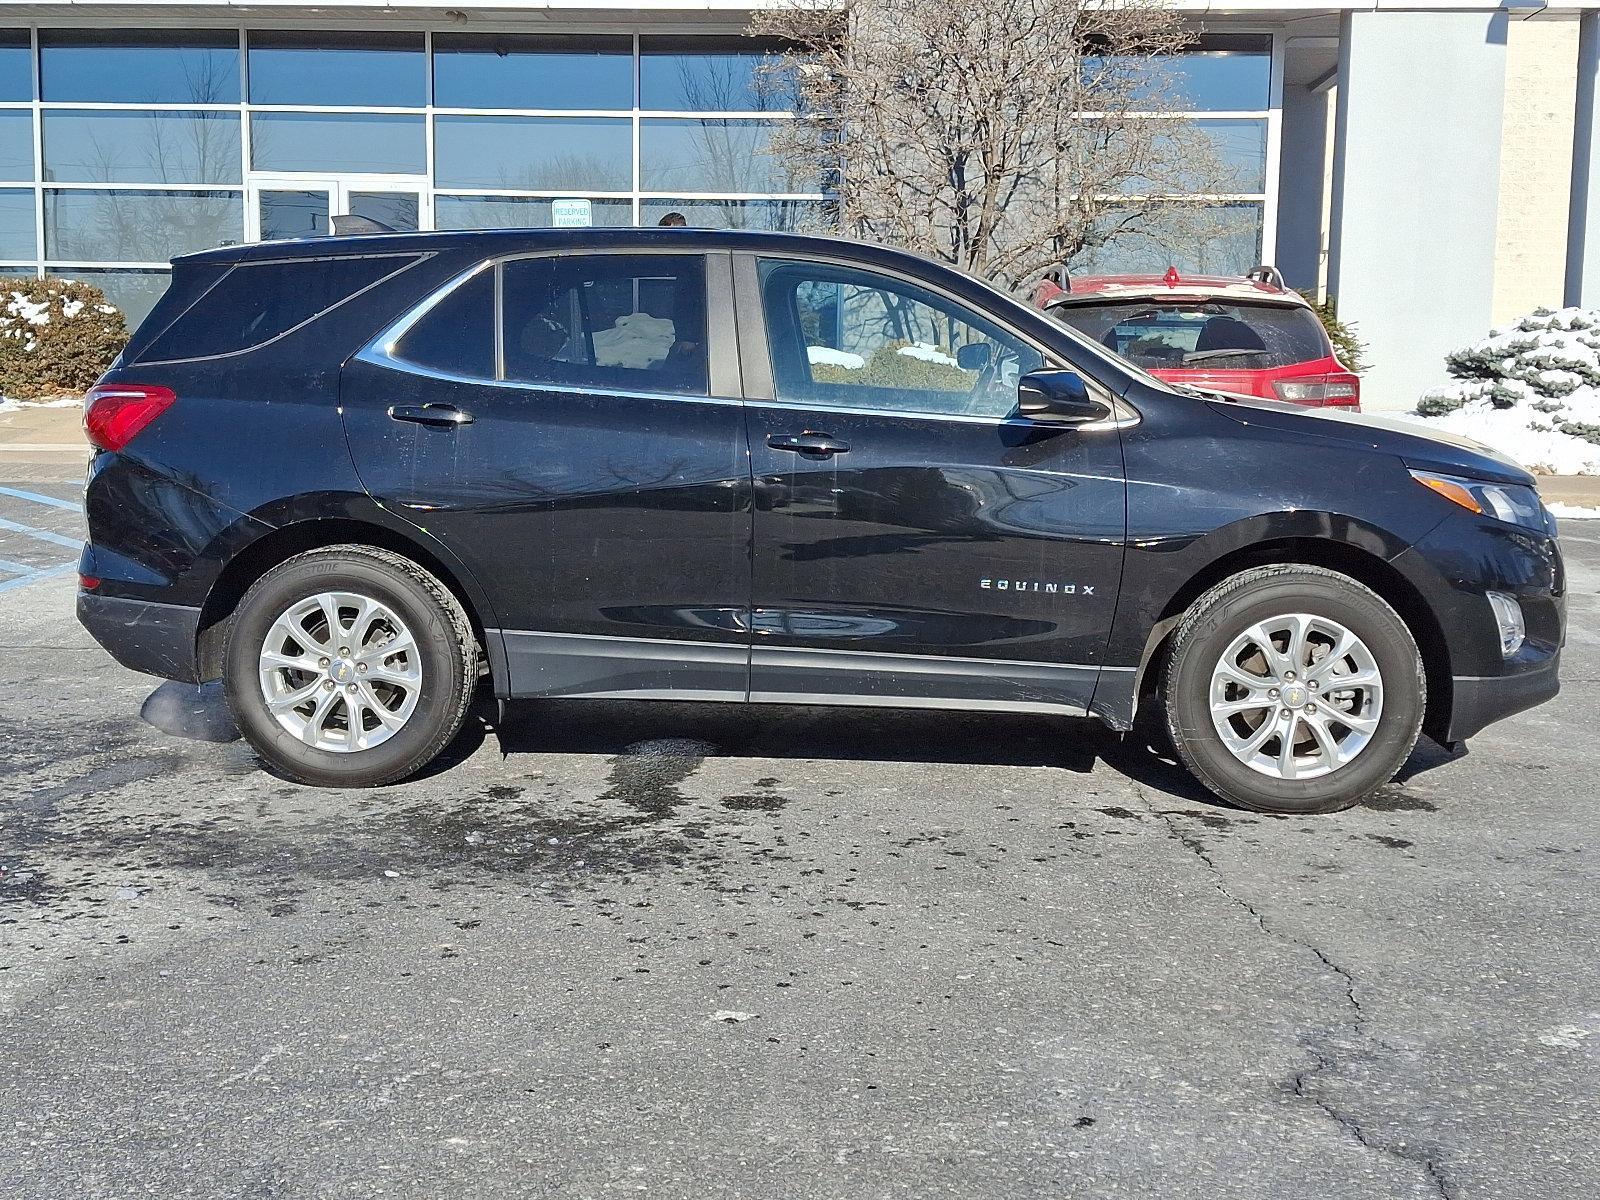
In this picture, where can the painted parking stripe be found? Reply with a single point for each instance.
(16, 568)
(47, 573)
(44, 535)
(52, 501)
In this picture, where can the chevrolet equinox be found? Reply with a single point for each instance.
(352, 476)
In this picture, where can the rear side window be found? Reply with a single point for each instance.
(632, 322)
(1179, 336)
(456, 335)
(256, 302)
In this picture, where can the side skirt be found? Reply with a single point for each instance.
(595, 666)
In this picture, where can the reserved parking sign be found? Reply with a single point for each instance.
(571, 214)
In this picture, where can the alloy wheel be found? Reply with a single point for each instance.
(340, 671)
(1296, 696)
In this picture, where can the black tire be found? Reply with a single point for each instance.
(447, 649)
(1230, 608)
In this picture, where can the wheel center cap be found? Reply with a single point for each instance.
(1295, 696)
(342, 670)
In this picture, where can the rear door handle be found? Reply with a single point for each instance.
(823, 445)
(430, 414)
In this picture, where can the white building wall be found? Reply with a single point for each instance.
(1416, 189)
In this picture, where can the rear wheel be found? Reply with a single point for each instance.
(349, 666)
(1293, 689)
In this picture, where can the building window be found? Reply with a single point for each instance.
(534, 153)
(338, 143)
(16, 145)
(16, 227)
(521, 212)
(532, 71)
(783, 216)
(140, 146)
(357, 70)
(690, 154)
(699, 74)
(126, 225)
(1206, 237)
(16, 66)
(131, 66)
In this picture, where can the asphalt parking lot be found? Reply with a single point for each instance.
(695, 952)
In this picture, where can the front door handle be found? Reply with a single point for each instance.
(430, 414)
(823, 445)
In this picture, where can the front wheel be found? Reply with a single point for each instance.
(1293, 689)
(349, 666)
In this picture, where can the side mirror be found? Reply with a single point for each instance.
(1060, 397)
(974, 356)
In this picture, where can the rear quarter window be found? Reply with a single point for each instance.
(456, 335)
(257, 302)
(1210, 335)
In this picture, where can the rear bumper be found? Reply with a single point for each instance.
(157, 639)
(1479, 701)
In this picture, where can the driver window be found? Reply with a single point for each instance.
(852, 339)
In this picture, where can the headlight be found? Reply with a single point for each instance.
(1509, 502)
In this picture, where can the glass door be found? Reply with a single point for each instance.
(293, 206)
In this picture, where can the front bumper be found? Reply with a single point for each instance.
(1482, 700)
(157, 639)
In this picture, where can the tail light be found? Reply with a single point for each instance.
(116, 413)
(1342, 390)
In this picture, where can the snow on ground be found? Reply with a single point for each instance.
(1572, 512)
(835, 358)
(8, 405)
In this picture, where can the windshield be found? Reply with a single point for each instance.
(1190, 335)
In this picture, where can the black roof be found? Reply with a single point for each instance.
(501, 241)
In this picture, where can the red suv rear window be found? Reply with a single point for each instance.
(1201, 335)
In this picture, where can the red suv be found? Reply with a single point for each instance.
(1251, 336)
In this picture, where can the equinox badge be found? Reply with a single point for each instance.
(1033, 585)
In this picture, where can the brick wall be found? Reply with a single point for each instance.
(1535, 166)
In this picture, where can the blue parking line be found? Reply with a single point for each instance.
(37, 498)
(35, 577)
(16, 568)
(44, 535)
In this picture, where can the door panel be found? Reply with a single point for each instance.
(961, 556)
(605, 523)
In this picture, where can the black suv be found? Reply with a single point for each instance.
(350, 476)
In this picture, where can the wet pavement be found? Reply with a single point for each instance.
(704, 951)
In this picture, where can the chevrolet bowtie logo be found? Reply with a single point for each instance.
(1035, 585)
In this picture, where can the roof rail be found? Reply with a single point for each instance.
(1266, 273)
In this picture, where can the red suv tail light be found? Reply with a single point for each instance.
(116, 413)
(1343, 390)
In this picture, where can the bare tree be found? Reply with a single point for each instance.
(1005, 136)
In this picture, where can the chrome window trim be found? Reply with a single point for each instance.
(383, 349)
(1124, 414)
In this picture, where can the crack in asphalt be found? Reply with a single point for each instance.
(1303, 1080)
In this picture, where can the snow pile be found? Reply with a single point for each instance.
(927, 353)
(1531, 390)
(835, 358)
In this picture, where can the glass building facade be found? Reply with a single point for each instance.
(120, 148)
